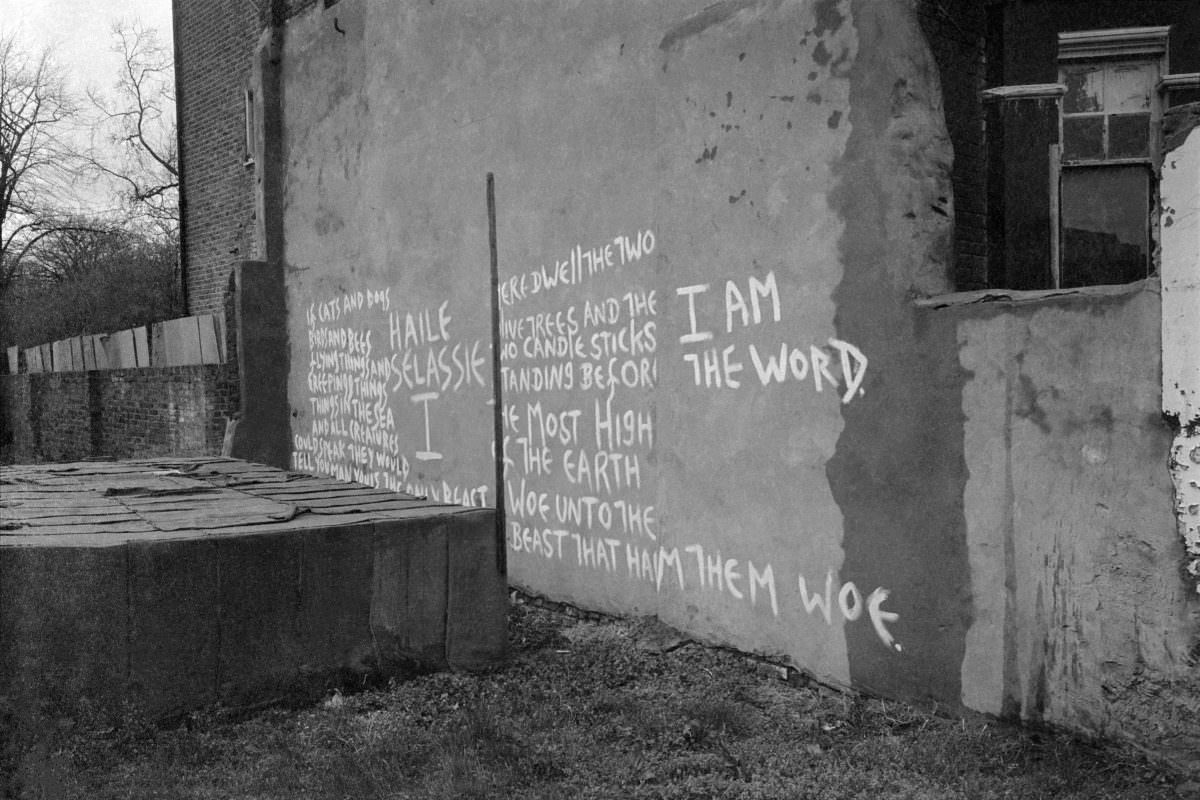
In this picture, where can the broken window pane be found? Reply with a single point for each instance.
(1105, 225)
(1083, 137)
(1085, 89)
(1129, 136)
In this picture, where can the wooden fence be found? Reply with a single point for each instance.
(173, 343)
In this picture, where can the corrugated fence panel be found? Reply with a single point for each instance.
(61, 355)
(189, 349)
(141, 342)
(77, 364)
(120, 350)
(87, 345)
(33, 360)
(172, 343)
(210, 338)
(98, 352)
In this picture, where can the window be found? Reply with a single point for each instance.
(1072, 187)
(251, 116)
(1110, 118)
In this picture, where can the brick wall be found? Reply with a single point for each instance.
(62, 402)
(123, 413)
(215, 42)
(177, 410)
(214, 49)
(130, 413)
(955, 31)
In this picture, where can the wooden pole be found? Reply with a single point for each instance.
(497, 410)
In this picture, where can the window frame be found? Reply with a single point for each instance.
(1111, 47)
(1148, 44)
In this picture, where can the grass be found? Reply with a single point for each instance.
(585, 709)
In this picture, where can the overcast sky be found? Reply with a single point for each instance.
(80, 31)
(80, 34)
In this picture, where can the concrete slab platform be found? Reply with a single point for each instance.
(172, 583)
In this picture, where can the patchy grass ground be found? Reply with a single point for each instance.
(588, 710)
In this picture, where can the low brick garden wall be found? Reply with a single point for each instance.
(127, 413)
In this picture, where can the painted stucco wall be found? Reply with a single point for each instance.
(1080, 615)
(386, 256)
(1180, 189)
(673, 372)
(720, 403)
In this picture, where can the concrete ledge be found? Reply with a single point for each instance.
(107, 598)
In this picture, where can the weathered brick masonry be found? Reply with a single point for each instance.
(214, 52)
(957, 41)
(122, 413)
(63, 416)
(61, 401)
(214, 42)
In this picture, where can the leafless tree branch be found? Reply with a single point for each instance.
(139, 121)
(36, 111)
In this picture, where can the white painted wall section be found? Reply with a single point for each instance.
(1181, 333)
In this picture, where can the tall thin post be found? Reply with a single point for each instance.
(498, 410)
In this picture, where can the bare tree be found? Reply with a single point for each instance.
(139, 120)
(88, 279)
(70, 262)
(36, 161)
(79, 251)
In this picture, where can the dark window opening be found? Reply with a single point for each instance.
(1077, 164)
(1105, 220)
(1060, 113)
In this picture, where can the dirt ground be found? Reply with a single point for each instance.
(585, 708)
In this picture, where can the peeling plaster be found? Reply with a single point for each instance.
(1181, 336)
(829, 17)
(1185, 470)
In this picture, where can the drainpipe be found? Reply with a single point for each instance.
(181, 257)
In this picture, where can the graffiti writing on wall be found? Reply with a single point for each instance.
(578, 430)
(377, 376)
(694, 566)
(579, 363)
(756, 303)
(580, 341)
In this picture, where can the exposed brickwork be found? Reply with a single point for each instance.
(64, 416)
(214, 48)
(955, 31)
(14, 430)
(130, 413)
(215, 41)
(61, 430)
